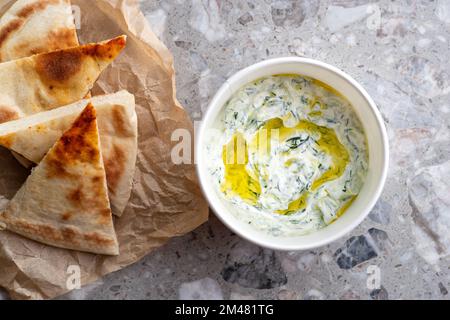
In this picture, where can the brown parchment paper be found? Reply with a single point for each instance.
(166, 200)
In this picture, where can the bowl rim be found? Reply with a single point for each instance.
(214, 106)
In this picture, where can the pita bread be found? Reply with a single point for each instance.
(50, 80)
(33, 136)
(30, 27)
(64, 203)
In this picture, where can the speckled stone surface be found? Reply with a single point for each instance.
(398, 50)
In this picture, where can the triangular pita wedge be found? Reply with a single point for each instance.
(36, 26)
(33, 136)
(49, 80)
(64, 203)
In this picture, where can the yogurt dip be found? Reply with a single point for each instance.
(290, 155)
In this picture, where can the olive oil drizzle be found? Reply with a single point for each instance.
(238, 179)
(244, 182)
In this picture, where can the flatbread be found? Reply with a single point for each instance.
(64, 202)
(33, 136)
(30, 27)
(49, 80)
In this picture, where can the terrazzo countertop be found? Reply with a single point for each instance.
(398, 50)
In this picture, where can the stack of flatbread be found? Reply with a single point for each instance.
(83, 148)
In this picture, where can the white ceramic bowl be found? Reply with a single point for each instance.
(367, 112)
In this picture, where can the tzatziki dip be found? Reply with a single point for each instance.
(290, 155)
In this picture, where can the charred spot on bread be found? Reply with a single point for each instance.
(57, 169)
(120, 122)
(76, 197)
(66, 216)
(7, 140)
(69, 234)
(7, 114)
(59, 66)
(115, 167)
(97, 179)
(106, 50)
(105, 213)
(10, 28)
(34, 7)
(98, 239)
